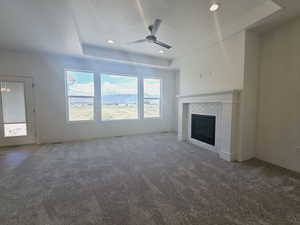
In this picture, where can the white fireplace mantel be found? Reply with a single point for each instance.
(228, 119)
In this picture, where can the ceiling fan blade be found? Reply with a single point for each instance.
(154, 27)
(137, 42)
(163, 44)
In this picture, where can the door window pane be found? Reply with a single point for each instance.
(152, 89)
(13, 102)
(13, 108)
(80, 91)
(15, 130)
(119, 97)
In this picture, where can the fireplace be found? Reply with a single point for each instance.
(203, 128)
(210, 121)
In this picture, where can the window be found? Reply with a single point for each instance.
(13, 109)
(80, 93)
(119, 97)
(110, 97)
(152, 98)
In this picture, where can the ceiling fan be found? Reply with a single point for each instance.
(153, 28)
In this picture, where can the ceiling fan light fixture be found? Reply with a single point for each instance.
(110, 42)
(161, 52)
(214, 7)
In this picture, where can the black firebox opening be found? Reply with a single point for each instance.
(204, 128)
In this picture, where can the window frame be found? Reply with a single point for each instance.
(32, 133)
(138, 97)
(160, 97)
(67, 97)
(97, 106)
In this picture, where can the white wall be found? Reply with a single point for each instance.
(248, 98)
(278, 133)
(48, 75)
(227, 65)
(218, 67)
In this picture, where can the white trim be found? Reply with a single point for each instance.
(98, 95)
(118, 120)
(161, 83)
(226, 121)
(141, 98)
(16, 122)
(71, 96)
(97, 98)
(202, 144)
(209, 93)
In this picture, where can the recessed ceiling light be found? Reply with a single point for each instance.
(110, 42)
(214, 7)
(161, 51)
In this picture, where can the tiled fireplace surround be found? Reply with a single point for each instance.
(223, 105)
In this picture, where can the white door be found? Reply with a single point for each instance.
(17, 125)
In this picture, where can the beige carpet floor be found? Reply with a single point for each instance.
(141, 180)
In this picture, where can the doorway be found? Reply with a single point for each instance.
(17, 126)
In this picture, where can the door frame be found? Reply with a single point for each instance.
(31, 137)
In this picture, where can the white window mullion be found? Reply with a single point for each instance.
(161, 98)
(97, 105)
(1, 118)
(141, 98)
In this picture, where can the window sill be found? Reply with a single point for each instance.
(112, 121)
(11, 137)
(120, 120)
(80, 121)
(152, 118)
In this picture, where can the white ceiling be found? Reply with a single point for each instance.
(290, 9)
(61, 26)
(124, 21)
